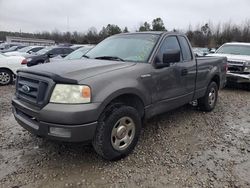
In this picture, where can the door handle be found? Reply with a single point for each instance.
(184, 72)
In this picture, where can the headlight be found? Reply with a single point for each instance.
(71, 94)
(29, 59)
(247, 67)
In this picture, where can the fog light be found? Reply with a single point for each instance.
(60, 132)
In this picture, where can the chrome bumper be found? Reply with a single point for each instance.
(238, 78)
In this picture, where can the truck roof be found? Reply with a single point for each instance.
(151, 32)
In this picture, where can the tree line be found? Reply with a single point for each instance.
(205, 35)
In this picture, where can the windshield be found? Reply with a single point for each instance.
(25, 49)
(234, 49)
(77, 54)
(44, 50)
(136, 47)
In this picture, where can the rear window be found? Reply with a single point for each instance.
(186, 51)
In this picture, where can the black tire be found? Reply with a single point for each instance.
(40, 62)
(102, 141)
(206, 103)
(246, 86)
(232, 85)
(46, 60)
(6, 77)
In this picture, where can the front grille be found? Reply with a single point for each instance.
(236, 69)
(33, 89)
(236, 66)
(240, 63)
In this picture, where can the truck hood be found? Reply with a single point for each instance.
(231, 57)
(77, 70)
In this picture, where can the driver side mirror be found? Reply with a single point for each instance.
(171, 56)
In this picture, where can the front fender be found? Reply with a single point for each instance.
(116, 89)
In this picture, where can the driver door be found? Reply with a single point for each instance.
(170, 81)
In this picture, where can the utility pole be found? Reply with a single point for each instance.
(67, 23)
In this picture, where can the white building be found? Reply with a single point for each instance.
(29, 41)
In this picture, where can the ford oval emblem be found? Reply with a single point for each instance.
(26, 88)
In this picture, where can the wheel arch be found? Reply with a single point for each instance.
(7, 69)
(131, 98)
(216, 78)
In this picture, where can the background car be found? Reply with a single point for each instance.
(9, 66)
(5, 46)
(25, 51)
(43, 55)
(77, 46)
(77, 54)
(238, 59)
(13, 48)
(201, 51)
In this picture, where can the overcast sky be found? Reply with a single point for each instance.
(80, 15)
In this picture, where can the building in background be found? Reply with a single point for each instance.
(29, 41)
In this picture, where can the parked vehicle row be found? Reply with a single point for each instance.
(25, 51)
(13, 48)
(42, 56)
(6, 46)
(34, 55)
(77, 54)
(198, 51)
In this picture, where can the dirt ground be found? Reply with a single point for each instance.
(183, 148)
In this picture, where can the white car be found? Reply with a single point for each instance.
(238, 58)
(24, 51)
(9, 66)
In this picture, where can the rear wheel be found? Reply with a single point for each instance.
(246, 86)
(208, 102)
(40, 62)
(118, 132)
(6, 77)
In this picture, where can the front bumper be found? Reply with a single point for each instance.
(238, 78)
(70, 123)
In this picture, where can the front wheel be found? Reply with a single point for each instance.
(208, 102)
(6, 77)
(118, 132)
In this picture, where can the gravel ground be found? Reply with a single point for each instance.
(182, 148)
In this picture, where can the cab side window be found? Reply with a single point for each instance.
(169, 43)
(185, 48)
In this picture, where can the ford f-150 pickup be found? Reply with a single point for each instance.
(104, 98)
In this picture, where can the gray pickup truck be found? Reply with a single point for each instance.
(104, 98)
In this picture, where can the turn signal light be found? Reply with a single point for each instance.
(86, 93)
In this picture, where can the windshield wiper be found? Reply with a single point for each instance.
(110, 58)
(86, 56)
